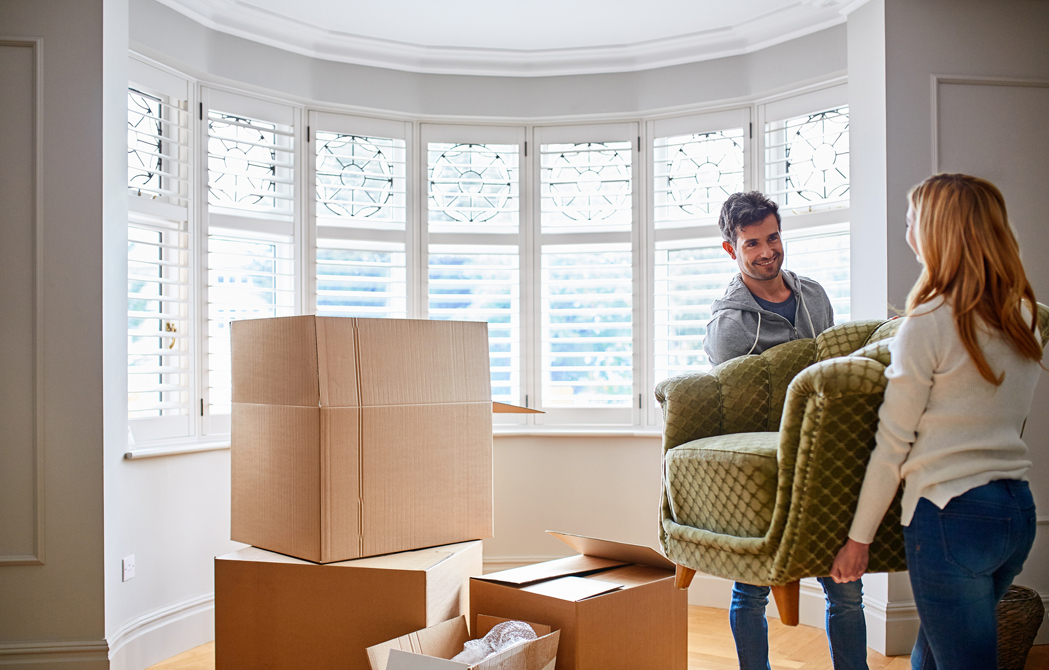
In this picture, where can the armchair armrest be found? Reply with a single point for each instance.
(830, 420)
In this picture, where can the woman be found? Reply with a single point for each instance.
(963, 372)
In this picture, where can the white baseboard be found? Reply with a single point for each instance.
(86, 654)
(163, 633)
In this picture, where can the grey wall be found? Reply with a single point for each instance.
(51, 601)
(172, 38)
(983, 122)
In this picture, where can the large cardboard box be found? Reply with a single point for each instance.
(357, 437)
(615, 605)
(274, 611)
(434, 647)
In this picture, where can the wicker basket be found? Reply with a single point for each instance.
(1019, 614)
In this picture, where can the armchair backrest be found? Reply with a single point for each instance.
(747, 394)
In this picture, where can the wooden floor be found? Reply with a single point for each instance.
(710, 647)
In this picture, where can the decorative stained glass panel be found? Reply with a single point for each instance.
(694, 174)
(473, 187)
(586, 187)
(158, 147)
(250, 165)
(807, 161)
(360, 181)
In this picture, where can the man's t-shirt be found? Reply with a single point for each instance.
(787, 309)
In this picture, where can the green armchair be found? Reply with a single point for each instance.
(764, 457)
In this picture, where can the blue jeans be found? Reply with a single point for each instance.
(962, 560)
(846, 628)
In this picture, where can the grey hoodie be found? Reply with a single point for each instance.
(739, 326)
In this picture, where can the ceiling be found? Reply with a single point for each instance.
(517, 37)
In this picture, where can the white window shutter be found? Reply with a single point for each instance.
(360, 213)
(251, 259)
(160, 307)
(474, 243)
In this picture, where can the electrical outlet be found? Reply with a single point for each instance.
(128, 564)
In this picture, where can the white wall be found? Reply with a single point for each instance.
(172, 513)
(51, 579)
(995, 131)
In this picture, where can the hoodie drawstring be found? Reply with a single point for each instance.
(812, 329)
(757, 334)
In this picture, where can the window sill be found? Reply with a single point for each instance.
(576, 432)
(136, 453)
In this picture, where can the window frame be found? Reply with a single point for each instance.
(266, 109)
(174, 91)
(502, 134)
(642, 416)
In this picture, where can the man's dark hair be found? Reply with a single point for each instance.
(744, 209)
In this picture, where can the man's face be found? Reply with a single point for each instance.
(759, 250)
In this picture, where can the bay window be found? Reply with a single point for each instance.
(591, 250)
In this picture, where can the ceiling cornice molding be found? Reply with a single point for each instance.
(291, 34)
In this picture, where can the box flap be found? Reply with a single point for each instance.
(337, 361)
(274, 361)
(442, 641)
(537, 654)
(634, 575)
(628, 553)
(570, 565)
(421, 560)
(254, 554)
(506, 408)
(416, 361)
(572, 589)
(406, 660)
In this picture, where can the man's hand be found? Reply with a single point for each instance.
(851, 562)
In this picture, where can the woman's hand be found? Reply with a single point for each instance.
(851, 562)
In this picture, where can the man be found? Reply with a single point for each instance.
(763, 306)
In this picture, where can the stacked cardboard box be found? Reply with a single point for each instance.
(352, 438)
(359, 437)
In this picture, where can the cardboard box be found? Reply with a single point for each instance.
(432, 649)
(358, 437)
(615, 605)
(274, 611)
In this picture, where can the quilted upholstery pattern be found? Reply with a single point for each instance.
(725, 484)
(844, 338)
(736, 517)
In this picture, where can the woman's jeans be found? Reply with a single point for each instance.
(962, 560)
(846, 629)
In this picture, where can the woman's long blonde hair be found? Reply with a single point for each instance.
(972, 259)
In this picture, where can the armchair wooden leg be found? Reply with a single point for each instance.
(787, 597)
(683, 576)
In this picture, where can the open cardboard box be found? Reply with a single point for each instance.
(275, 611)
(432, 649)
(615, 605)
(358, 437)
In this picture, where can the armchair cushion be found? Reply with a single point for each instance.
(726, 484)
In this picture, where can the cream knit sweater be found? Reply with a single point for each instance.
(943, 428)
